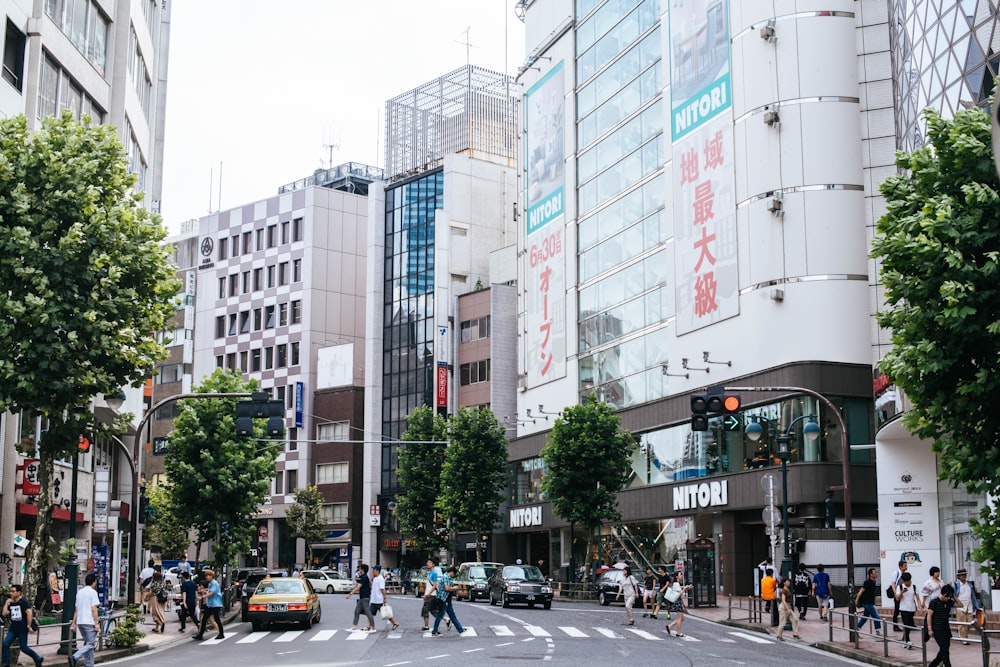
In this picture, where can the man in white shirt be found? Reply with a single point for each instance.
(144, 579)
(85, 618)
(378, 594)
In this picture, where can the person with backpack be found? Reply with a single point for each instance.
(629, 587)
(445, 592)
(800, 588)
(20, 615)
(145, 578)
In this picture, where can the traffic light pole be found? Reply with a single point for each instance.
(845, 455)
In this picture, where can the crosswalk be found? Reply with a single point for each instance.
(525, 632)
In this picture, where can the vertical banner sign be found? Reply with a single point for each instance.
(545, 300)
(442, 384)
(99, 556)
(299, 401)
(30, 485)
(703, 175)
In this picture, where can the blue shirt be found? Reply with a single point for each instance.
(214, 594)
(822, 581)
(443, 584)
(432, 577)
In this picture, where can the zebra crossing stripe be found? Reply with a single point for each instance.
(537, 631)
(469, 632)
(213, 640)
(253, 637)
(357, 635)
(289, 636)
(323, 635)
(754, 637)
(610, 634)
(501, 631)
(573, 632)
(646, 635)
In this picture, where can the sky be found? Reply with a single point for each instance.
(273, 90)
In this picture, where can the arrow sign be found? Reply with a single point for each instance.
(731, 423)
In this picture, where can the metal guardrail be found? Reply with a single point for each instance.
(575, 591)
(750, 607)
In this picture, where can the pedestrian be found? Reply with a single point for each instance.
(768, 592)
(800, 587)
(966, 603)
(629, 587)
(19, 613)
(445, 592)
(145, 578)
(785, 612)
(677, 589)
(866, 600)
(213, 606)
(158, 595)
(378, 594)
(85, 619)
(936, 624)
(183, 565)
(430, 593)
(891, 592)
(906, 601)
(931, 588)
(821, 590)
(202, 597)
(648, 592)
(363, 589)
(662, 581)
(189, 600)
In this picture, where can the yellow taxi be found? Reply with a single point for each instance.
(284, 600)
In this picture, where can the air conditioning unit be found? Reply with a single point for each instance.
(776, 208)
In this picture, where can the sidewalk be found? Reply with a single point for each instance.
(871, 649)
(45, 643)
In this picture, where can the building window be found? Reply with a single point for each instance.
(223, 249)
(269, 317)
(258, 279)
(279, 393)
(283, 273)
(231, 361)
(296, 270)
(284, 232)
(332, 431)
(255, 361)
(279, 485)
(475, 372)
(475, 329)
(282, 314)
(234, 284)
(222, 287)
(168, 411)
(245, 322)
(246, 282)
(293, 480)
(243, 361)
(247, 242)
(272, 235)
(220, 326)
(334, 513)
(332, 473)
(13, 56)
(297, 229)
(260, 239)
(270, 276)
(170, 373)
(235, 246)
(293, 439)
(85, 26)
(296, 312)
(219, 361)
(295, 354)
(268, 358)
(256, 319)
(232, 324)
(282, 355)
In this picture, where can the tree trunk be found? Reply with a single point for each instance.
(38, 556)
(197, 555)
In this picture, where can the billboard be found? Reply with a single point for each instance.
(700, 87)
(545, 131)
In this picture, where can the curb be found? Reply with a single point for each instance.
(109, 654)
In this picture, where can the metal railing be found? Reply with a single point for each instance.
(749, 607)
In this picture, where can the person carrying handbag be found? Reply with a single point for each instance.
(675, 598)
(630, 588)
(378, 604)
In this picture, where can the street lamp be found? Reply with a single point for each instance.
(810, 431)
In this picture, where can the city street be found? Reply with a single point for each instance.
(569, 633)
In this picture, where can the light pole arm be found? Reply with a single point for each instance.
(134, 464)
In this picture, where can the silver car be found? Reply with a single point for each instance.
(328, 581)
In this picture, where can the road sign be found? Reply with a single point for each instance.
(731, 423)
(375, 520)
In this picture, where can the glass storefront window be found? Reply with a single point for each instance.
(527, 487)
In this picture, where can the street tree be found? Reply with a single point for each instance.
(938, 246)
(165, 526)
(586, 464)
(474, 474)
(421, 458)
(303, 518)
(86, 282)
(218, 478)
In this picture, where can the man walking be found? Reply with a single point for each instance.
(145, 578)
(85, 618)
(363, 589)
(662, 581)
(430, 593)
(891, 592)
(937, 625)
(821, 590)
(866, 600)
(800, 588)
(648, 592)
(213, 606)
(189, 600)
(966, 603)
(445, 589)
(18, 613)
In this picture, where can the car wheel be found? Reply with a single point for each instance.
(308, 623)
(605, 600)
(257, 626)
(319, 614)
(506, 602)
(329, 589)
(547, 605)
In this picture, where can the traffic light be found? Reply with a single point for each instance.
(699, 412)
(260, 407)
(715, 402)
(143, 508)
(84, 445)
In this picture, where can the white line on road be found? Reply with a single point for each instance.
(322, 635)
(610, 634)
(537, 631)
(396, 664)
(505, 644)
(473, 650)
(213, 641)
(469, 632)
(752, 637)
(357, 635)
(528, 639)
(502, 631)
(435, 657)
(573, 632)
(645, 635)
(288, 636)
(253, 637)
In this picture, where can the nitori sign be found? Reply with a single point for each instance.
(521, 517)
(706, 494)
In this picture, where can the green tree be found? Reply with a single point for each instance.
(419, 474)
(303, 518)
(86, 284)
(586, 464)
(474, 474)
(219, 479)
(165, 527)
(938, 245)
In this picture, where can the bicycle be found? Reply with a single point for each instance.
(107, 621)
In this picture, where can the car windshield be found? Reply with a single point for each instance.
(526, 572)
(481, 572)
(289, 587)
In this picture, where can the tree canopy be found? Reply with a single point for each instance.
(86, 282)
(421, 459)
(218, 478)
(475, 473)
(938, 246)
(165, 527)
(303, 518)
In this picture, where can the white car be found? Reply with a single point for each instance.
(328, 581)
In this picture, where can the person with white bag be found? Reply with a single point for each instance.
(378, 605)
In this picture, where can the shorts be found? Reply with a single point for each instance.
(649, 594)
(659, 597)
(629, 601)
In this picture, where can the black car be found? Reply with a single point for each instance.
(608, 583)
(520, 584)
(248, 585)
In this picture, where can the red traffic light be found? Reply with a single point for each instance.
(731, 403)
(84, 444)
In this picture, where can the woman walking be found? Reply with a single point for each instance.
(785, 613)
(629, 587)
(158, 595)
(675, 597)
(906, 596)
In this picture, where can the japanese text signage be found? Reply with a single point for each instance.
(442, 384)
(30, 485)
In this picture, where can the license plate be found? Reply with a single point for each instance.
(531, 597)
(277, 607)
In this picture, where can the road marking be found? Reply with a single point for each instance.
(288, 636)
(646, 635)
(573, 632)
(469, 632)
(528, 639)
(357, 635)
(322, 635)
(537, 631)
(473, 650)
(689, 638)
(435, 657)
(502, 631)
(610, 634)
(396, 664)
(395, 635)
(214, 641)
(253, 637)
(505, 644)
(754, 637)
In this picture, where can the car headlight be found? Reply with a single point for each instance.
(480, 585)
(513, 589)
(546, 589)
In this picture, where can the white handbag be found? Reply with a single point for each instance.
(385, 612)
(672, 594)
